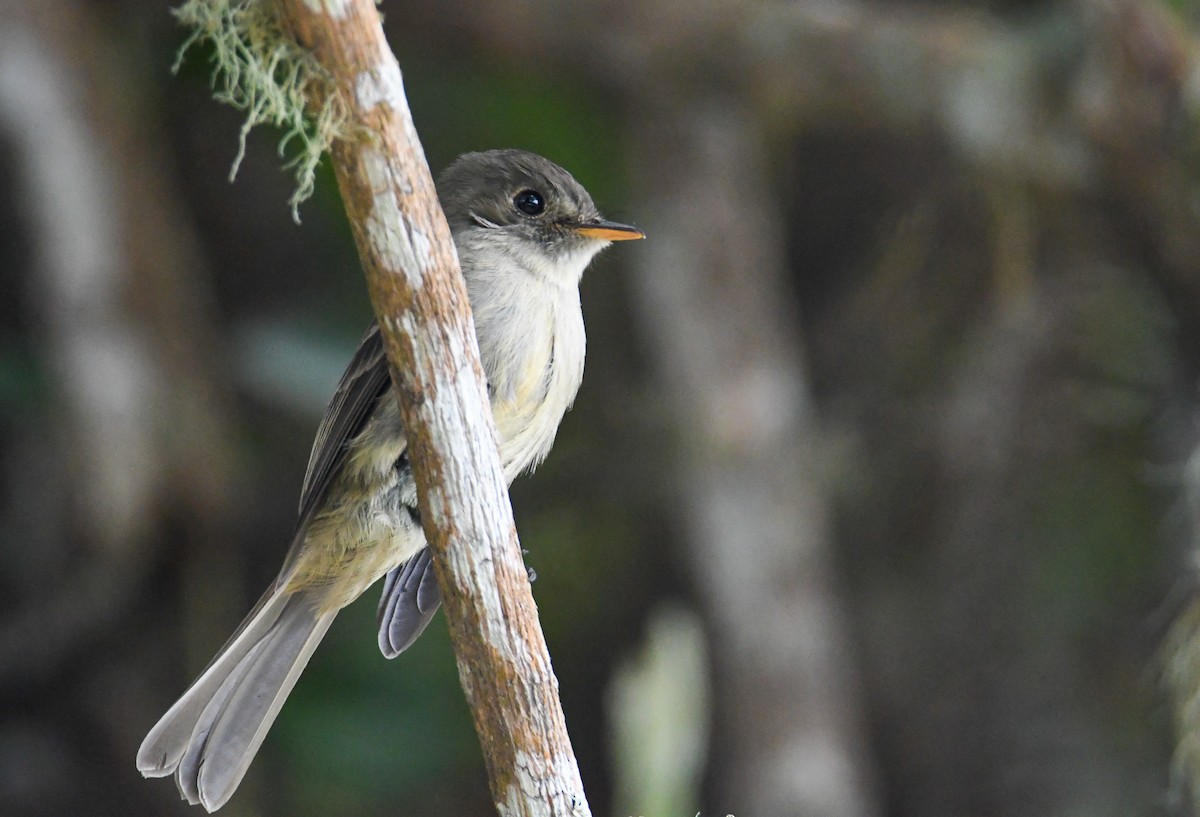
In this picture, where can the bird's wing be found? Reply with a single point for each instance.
(410, 598)
(410, 593)
(364, 382)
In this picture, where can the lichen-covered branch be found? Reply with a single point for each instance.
(420, 299)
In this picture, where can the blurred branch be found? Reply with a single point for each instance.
(420, 298)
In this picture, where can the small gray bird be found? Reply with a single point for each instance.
(525, 230)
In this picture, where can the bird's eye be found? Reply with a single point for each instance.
(529, 202)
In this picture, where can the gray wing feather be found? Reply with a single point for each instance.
(410, 594)
(364, 382)
(410, 598)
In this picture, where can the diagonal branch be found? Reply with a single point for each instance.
(419, 295)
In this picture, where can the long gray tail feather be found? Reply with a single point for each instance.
(410, 598)
(208, 738)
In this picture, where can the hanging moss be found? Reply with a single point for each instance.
(261, 70)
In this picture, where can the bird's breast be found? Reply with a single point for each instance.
(534, 380)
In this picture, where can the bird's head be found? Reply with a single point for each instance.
(527, 208)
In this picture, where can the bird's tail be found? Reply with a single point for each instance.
(208, 738)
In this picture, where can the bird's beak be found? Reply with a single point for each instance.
(609, 231)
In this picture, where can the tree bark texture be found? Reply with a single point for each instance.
(420, 299)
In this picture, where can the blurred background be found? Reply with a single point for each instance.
(878, 497)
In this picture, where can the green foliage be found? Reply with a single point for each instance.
(23, 382)
(1092, 512)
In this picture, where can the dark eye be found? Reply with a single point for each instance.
(530, 202)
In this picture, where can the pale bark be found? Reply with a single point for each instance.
(420, 299)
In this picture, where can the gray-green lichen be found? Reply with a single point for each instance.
(259, 69)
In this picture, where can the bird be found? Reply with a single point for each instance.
(525, 230)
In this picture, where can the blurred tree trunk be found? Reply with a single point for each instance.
(1000, 534)
(715, 303)
(123, 455)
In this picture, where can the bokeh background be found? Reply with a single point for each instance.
(878, 497)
